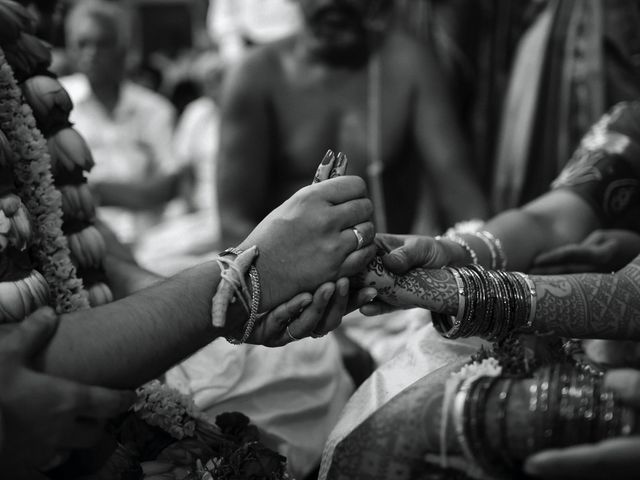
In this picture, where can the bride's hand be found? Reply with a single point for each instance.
(406, 252)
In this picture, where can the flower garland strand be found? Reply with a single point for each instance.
(49, 249)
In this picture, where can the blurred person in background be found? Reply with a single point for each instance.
(128, 128)
(237, 25)
(350, 81)
(190, 231)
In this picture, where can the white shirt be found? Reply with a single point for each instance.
(131, 143)
(262, 21)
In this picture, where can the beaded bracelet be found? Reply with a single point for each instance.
(454, 237)
(501, 256)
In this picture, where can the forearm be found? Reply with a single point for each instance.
(137, 196)
(126, 277)
(605, 306)
(558, 218)
(133, 340)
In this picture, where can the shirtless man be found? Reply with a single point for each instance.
(287, 102)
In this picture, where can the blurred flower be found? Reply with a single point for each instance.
(99, 294)
(77, 202)
(27, 56)
(21, 229)
(5, 151)
(69, 150)
(21, 297)
(13, 19)
(49, 101)
(87, 247)
(166, 408)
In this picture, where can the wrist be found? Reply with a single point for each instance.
(239, 286)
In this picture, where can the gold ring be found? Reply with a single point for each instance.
(291, 336)
(359, 238)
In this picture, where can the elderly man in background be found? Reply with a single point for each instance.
(128, 127)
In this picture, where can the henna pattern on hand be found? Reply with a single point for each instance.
(591, 305)
(433, 289)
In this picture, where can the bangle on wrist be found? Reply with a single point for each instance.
(455, 238)
(234, 286)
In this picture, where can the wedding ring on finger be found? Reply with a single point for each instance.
(295, 339)
(359, 238)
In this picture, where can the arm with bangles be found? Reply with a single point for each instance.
(598, 189)
(588, 305)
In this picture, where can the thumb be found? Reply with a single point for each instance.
(397, 261)
(35, 331)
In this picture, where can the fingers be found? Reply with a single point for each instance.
(278, 319)
(335, 310)
(626, 384)
(340, 166)
(361, 297)
(366, 230)
(35, 331)
(357, 261)
(353, 213)
(388, 242)
(304, 324)
(616, 458)
(341, 189)
(416, 252)
(98, 402)
(376, 308)
(331, 167)
(325, 167)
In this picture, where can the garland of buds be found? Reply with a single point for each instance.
(34, 181)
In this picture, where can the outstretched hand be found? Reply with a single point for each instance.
(614, 458)
(602, 251)
(398, 255)
(44, 416)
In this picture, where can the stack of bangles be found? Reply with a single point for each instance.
(498, 422)
(491, 304)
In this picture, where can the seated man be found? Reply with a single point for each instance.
(127, 127)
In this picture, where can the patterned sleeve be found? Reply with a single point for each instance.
(605, 168)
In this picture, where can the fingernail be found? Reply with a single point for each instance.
(304, 304)
(328, 293)
(328, 157)
(343, 288)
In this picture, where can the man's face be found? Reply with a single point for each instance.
(96, 50)
(343, 24)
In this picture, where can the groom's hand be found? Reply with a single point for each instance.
(44, 417)
(309, 239)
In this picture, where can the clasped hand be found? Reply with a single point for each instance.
(308, 245)
(44, 417)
